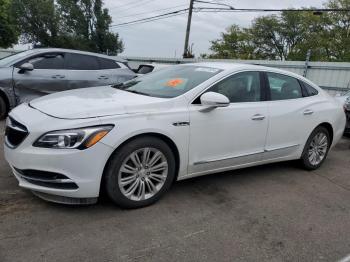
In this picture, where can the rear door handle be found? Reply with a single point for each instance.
(308, 112)
(103, 77)
(258, 117)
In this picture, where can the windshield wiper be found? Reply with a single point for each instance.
(136, 92)
(118, 86)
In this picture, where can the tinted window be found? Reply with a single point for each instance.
(241, 87)
(310, 91)
(108, 64)
(145, 69)
(48, 61)
(283, 87)
(81, 62)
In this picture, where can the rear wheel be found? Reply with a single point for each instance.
(140, 172)
(316, 149)
(3, 108)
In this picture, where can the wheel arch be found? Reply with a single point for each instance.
(329, 128)
(7, 100)
(160, 136)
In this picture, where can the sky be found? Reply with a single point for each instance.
(165, 38)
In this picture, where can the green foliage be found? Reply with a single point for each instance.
(289, 36)
(78, 24)
(8, 30)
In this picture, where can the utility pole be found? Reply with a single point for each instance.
(189, 19)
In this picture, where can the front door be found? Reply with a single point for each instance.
(231, 136)
(47, 77)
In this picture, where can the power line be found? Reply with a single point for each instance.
(132, 5)
(218, 9)
(214, 3)
(163, 9)
(151, 18)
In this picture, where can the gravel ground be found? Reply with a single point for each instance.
(271, 213)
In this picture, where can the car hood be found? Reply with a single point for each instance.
(95, 102)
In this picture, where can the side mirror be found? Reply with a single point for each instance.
(26, 67)
(213, 99)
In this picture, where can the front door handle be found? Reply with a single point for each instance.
(258, 117)
(308, 112)
(58, 76)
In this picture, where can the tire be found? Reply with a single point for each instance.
(3, 108)
(316, 143)
(123, 168)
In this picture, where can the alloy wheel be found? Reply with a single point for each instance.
(318, 148)
(143, 174)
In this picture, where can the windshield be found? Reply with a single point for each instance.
(9, 60)
(169, 82)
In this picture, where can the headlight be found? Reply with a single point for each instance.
(81, 138)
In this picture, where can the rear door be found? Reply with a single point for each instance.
(48, 76)
(293, 115)
(83, 71)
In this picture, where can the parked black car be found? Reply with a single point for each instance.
(37, 72)
(347, 112)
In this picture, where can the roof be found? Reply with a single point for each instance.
(232, 67)
(40, 50)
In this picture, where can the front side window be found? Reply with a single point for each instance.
(48, 61)
(241, 87)
(169, 82)
(81, 62)
(283, 87)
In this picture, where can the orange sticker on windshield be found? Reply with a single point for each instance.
(174, 82)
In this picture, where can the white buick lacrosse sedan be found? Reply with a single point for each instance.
(133, 140)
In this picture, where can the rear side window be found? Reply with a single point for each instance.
(108, 63)
(48, 61)
(283, 87)
(81, 62)
(310, 91)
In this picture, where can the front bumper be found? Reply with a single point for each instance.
(82, 167)
(78, 172)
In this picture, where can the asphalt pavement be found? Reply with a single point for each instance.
(275, 212)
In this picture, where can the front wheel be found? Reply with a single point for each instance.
(140, 172)
(316, 149)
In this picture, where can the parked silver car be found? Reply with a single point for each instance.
(37, 72)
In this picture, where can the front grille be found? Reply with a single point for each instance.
(15, 132)
(47, 179)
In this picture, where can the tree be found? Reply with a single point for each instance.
(78, 24)
(38, 20)
(337, 27)
(289, 36)
(234, 43)
(8, 29)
